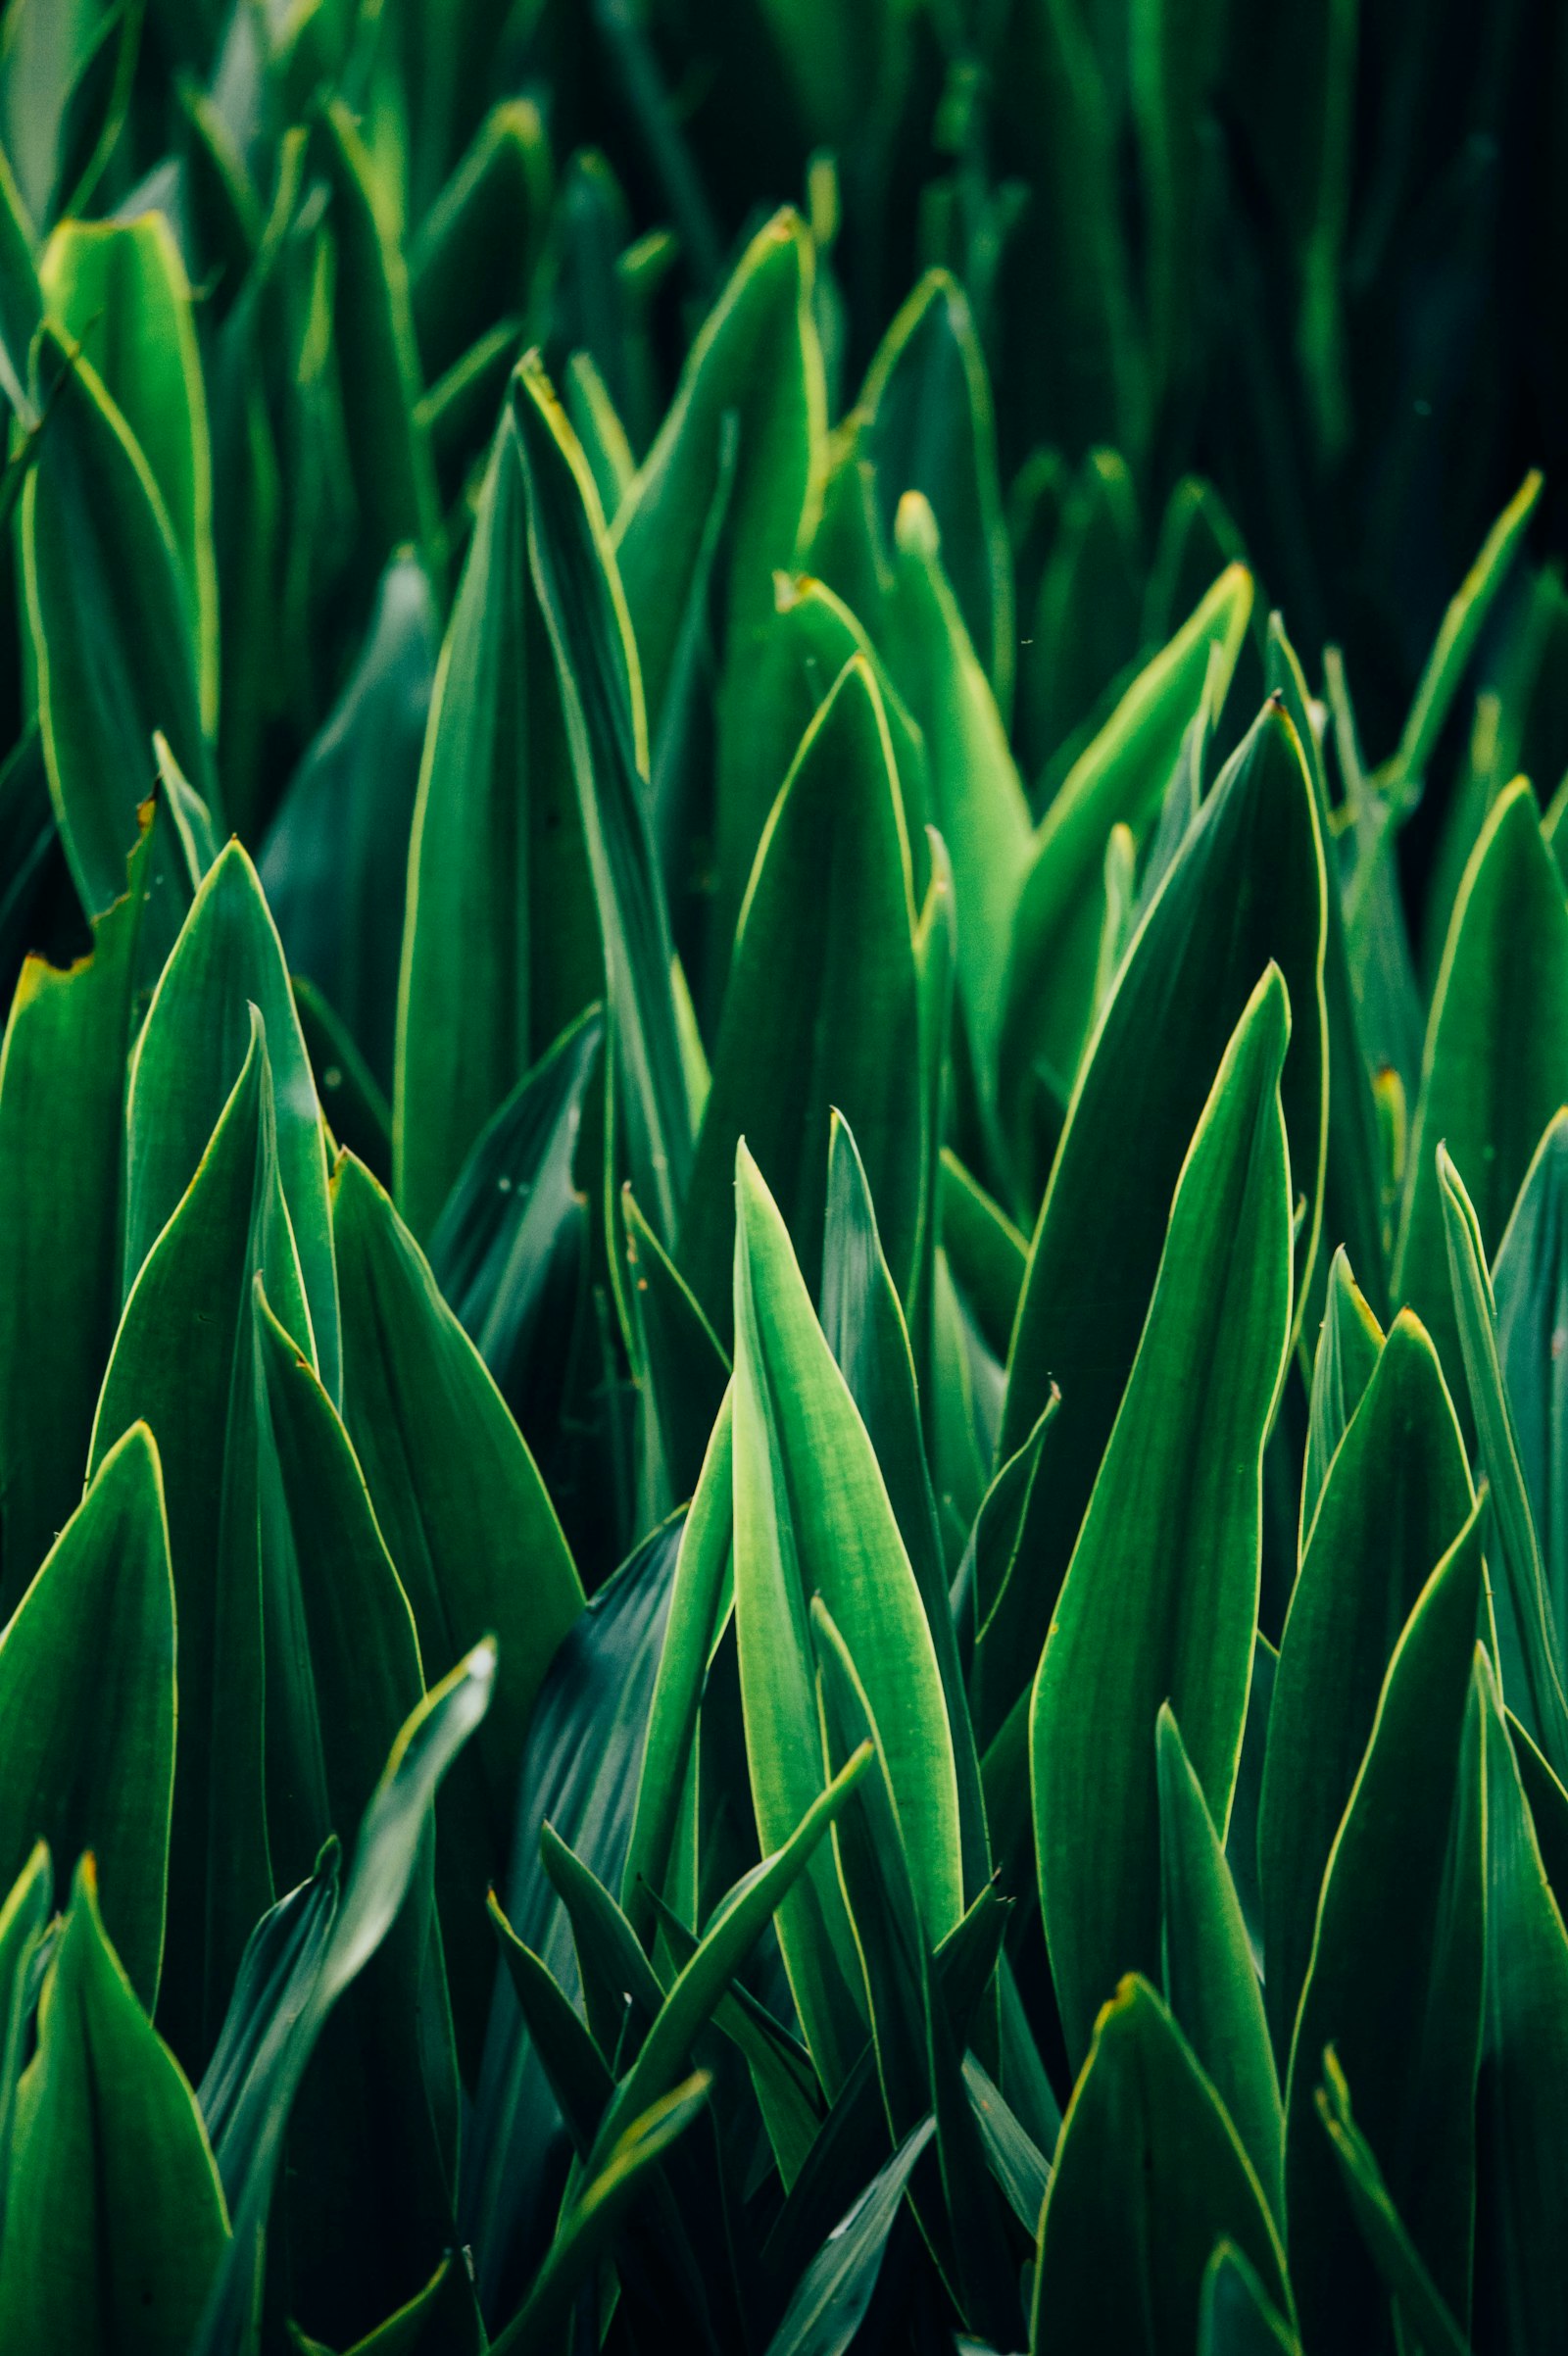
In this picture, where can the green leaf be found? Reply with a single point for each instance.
(45, 58)
(604, 1675)
(589, 2224)
(685, 1369)
(724, 1947)
(1083, 633)
(506, 1245)
(88, 1734)
(281, 1960)
(579, 592)
(1422, 2308)
(183, 1363)
(343, 1673)
(470, 259)
(1530, 1282)
(1462, 624)
(819, 1016)
(61, 1137)
(977, 798)
(828, 2304)
(441, 2320)
(500, 948)
(1397, 1496)
(1490, 1081)
(579, 2077)
(1211, 1983)
(1170, 1544)
(393, 1838)
(378, 362)
(867, 1335)
(119, 291)
(702, 1572)
(925, 424)
(111, 622)
(1200, 949)
(1403, 2015)
(23, 1917)
(1347, 1346)
(1521, 2274)
(985, 1251)
(228, 960)
(1118, 780)
(1530, 1653)
(1235, 2315)
(812, 1516)
(1149, 2175)
(756, 354)
(335, 861)
(467, 1521)
(114, 2222)
(21, 297)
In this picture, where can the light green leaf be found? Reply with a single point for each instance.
(828, 2304)
(1530, 1286)
(1421, 2306)
(114, 2224)
(112, 624)
(1490, 1080)
(87, 1731)
(1347, 1346)
(579, 593)
(1160, 1597)
(1189, 973)
(1403, 2015)
(812, 1516)
(1148, 2176)
(1397, 1496)
(119, 291)
(468, 1523)
(836, 829)
(1118, 780)
(228, 960)
(1211, 1983)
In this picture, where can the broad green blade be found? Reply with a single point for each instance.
(23, 1919)
(119, 289)
(1190, 969)
(470, 259)
(1119, 778)
(87, 1731)
(579, 593)
(1462, 624)
(114, 2224)
(985, 1251)
(1522, 2279)
(685, 1372)
(821, 1009)
(1402, 2014)
(183, 1363)
(467, 1521)
(1236, 2317)
(1082, 634)
(500, 948)
(1160, 1599)
(226, 966)
(1210, 1983)
(334, 864)
(1397, 1496)
(1494, 1074)
(112, 624)
(61, 1142)
(812, 1516)
(1148, 2176)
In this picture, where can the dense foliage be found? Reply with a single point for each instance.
(783, 1276)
